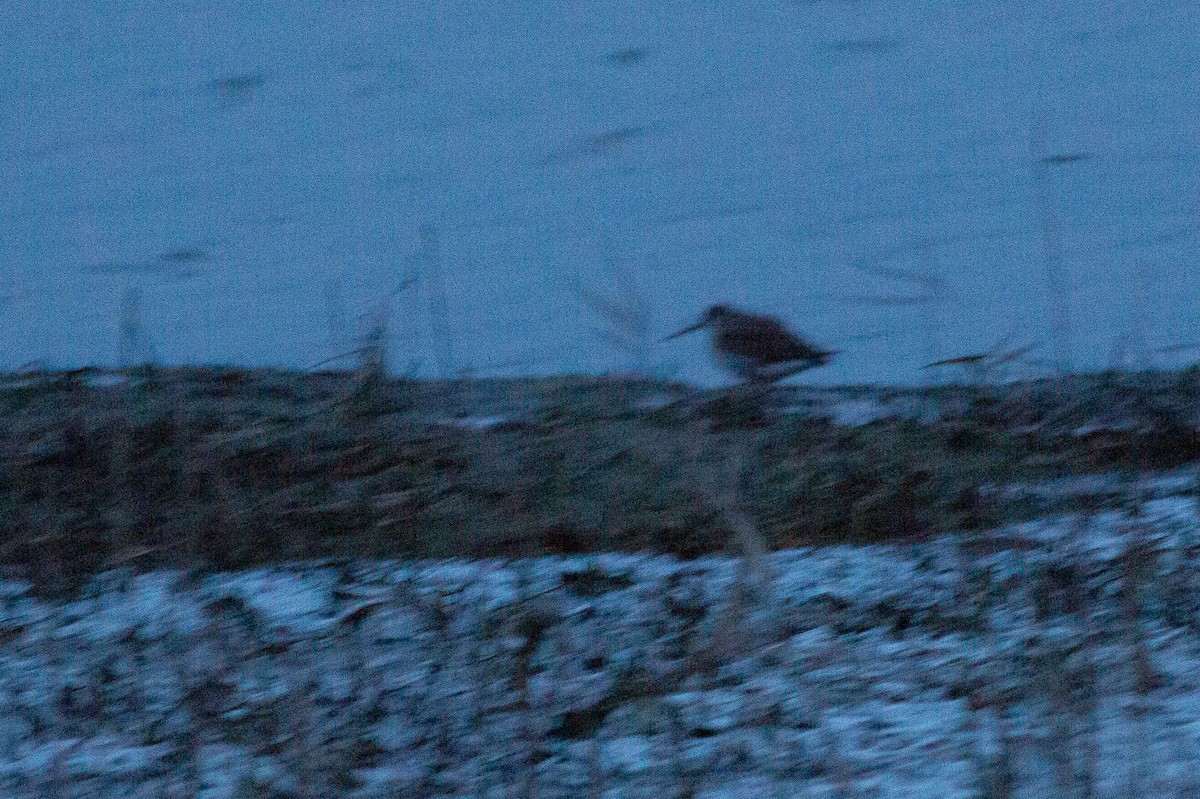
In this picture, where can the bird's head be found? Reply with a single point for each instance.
(714, 315)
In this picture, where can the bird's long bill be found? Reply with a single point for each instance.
(687, 329)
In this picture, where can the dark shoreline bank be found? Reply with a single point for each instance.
(225, 467)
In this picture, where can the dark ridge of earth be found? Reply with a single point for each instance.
(212, 467)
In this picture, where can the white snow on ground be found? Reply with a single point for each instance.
(1044, 657)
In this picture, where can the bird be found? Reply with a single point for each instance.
(754, 347)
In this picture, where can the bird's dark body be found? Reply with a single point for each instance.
(763, 339)
(757, 347)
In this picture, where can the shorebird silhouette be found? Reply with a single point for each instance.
(756, 348)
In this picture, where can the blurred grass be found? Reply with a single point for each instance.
(225, 467)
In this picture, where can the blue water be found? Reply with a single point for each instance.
(903, 181)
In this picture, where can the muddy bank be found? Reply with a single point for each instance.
(224, 468)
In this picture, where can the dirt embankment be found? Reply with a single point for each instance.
(218, 467)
